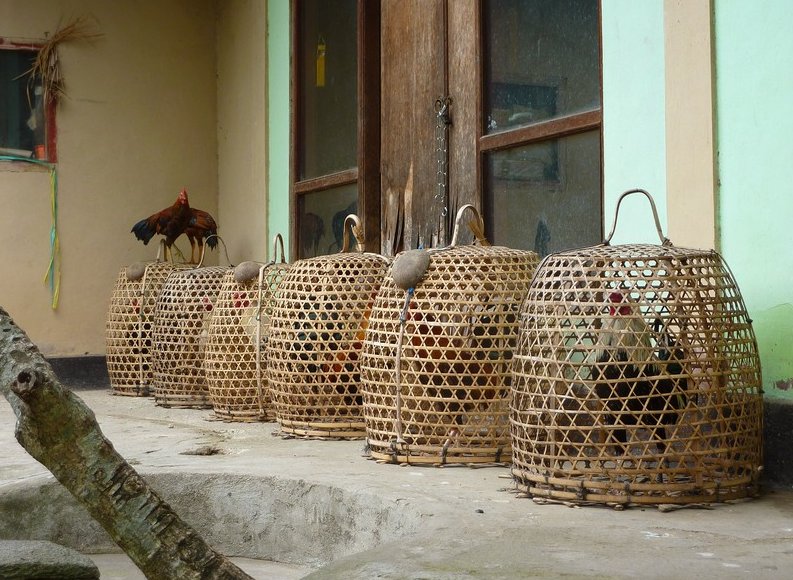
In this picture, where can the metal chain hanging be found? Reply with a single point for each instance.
(443, 120)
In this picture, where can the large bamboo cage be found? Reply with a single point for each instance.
(317, 329)
(435, 370)
(238, 330)
(128, 328)
(181, 327)
(637, 379)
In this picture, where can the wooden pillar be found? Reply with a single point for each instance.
(691, 155)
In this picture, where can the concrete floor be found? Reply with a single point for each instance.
(120, 567)
(287, 508)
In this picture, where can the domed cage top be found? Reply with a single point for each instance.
(436, 362)
(181, 327)
(128, 329)
(637, 379)
(317, 328)
(238, 331)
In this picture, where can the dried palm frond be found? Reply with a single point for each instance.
(46, 66)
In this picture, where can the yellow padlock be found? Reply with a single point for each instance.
(321, 62)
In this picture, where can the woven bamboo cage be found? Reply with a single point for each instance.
(316, 334)
(435, 370)
(129, 325)
(238, 330)
(181, 325)
(637, 378)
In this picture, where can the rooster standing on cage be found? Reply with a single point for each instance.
(637, 386)
(176, 220)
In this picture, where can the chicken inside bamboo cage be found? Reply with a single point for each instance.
(637, 379)
(128, 330)
(320, 315)
(239, 328)
(436, 362)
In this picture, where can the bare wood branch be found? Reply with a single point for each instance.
(61, 432)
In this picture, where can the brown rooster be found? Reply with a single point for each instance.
(637, 386)
(202, 227)
(176, 220)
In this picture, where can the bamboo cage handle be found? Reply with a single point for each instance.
(664, 240)
(478, 229)
(204, 250)
(278, 242)
(357, 231)
(162, 255)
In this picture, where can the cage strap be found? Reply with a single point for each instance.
(141, 307)
(258, 347)
(398, 375)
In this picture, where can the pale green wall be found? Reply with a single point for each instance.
(754, 83)
(278, 119)
(634, 148)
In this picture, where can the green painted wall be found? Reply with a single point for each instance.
(634, 146)
(754, 81)
(278, 119)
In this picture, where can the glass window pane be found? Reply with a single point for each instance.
(321, 219)
(21, 128)
(327, 101)
(542, 60)
(545, 196)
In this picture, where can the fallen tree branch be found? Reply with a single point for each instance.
(61, 432)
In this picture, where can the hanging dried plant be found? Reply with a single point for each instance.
(46, 68)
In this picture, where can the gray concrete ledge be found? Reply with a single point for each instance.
(37, 560)
(321, 505)
(90, 373)
(265, 518)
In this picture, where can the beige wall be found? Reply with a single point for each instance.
(139, 123)
(242, 129)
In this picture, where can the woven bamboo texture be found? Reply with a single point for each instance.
(317, 329)
(238, 330)
(636, 380)
(179, 337)
(128, 330)
(453, 370)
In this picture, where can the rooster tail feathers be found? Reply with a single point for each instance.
(143, 231)
(212, 239)
(205, 225)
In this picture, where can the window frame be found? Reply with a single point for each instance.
(555, 128)
(367, 172)
(50, 128)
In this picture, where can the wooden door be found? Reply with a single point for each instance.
(428, 52)
(522, 146)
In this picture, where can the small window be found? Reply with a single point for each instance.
(334, 152)
(25, 120)
(541, 143)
